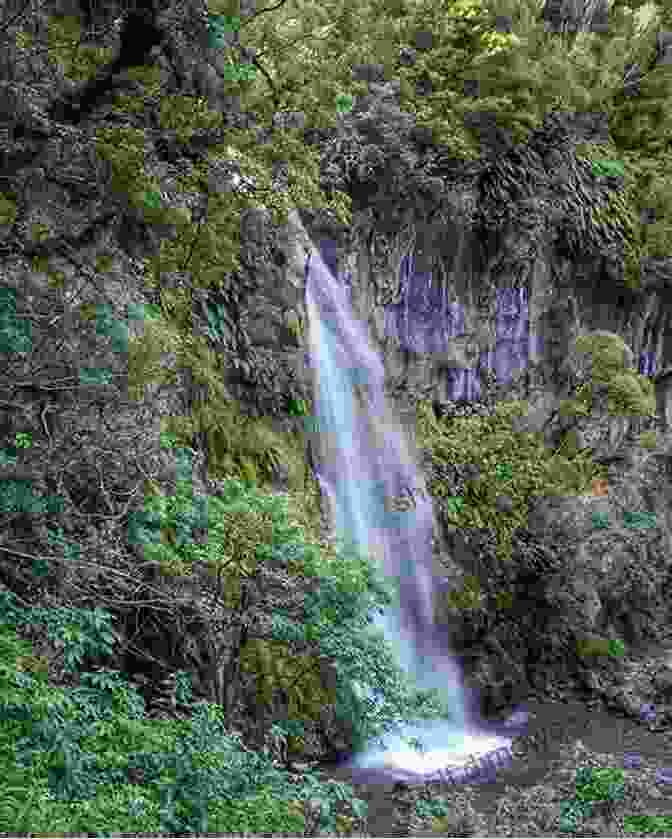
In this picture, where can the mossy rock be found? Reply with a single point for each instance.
(611, 367)
(608, 351)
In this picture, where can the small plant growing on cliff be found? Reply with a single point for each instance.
(648, 440)
(297, 408)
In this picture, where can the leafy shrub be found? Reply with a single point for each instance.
(599, 784)
(648, 439)
(611, 168)
(373, 695)
(600, 520)
(262, 813)
(571, 813)
(336, 616)
(637, 519)
(73, 747)
(70, 771)
(647, 824)
(487, 443)
(613, 647)
(427, 809)
(82, 632)
(616, 648)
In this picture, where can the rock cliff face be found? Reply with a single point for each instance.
(486, 281)
(507, 293)
(479, 283)
(483, 290)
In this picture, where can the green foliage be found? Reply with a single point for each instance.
(344, 103)
(600, 521)
(94, 376)
(571, 813)
(335, 625)
(335, 616)
(469, 598)
(599, 784)
(84, 632)
(612, 647)
(107, 324)
(208, 250)
(297, 408)
(627, 398)
(7, 209)
(147, 355)
(521, 75)
(123, 148)
(23, 439)
(504, 600)
(608, 168)
(104, 263)
(237, 534)
(65, 755)
(432, 808)
(185, 113)
(628, 393)
(234, 439)
(648, 440)
(167, 441)
(373, 696)
(631, 519)
(261, 813)
(638, 824)
(276, 667)
(636, 519)
(18, 688)
(8, 456)
(81, 742)
(616, 648)
(218, 26)
(487, 443)
(240, 72)
(77, 61)
(15, 332)
(454, 504)
(218, 321)
(17, 496)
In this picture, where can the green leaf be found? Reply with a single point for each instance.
(600, 520)
(611, 168)
(94, 376)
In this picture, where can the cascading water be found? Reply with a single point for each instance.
(364, 459)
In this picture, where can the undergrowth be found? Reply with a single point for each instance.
(88, 759)
(71, 759)
(489, 443)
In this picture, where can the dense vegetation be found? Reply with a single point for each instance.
(83, 757)
(71, 755)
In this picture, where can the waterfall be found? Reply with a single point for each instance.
(364, 461)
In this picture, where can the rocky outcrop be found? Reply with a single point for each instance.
(508, 272)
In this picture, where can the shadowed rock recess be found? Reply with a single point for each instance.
(532, 380)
